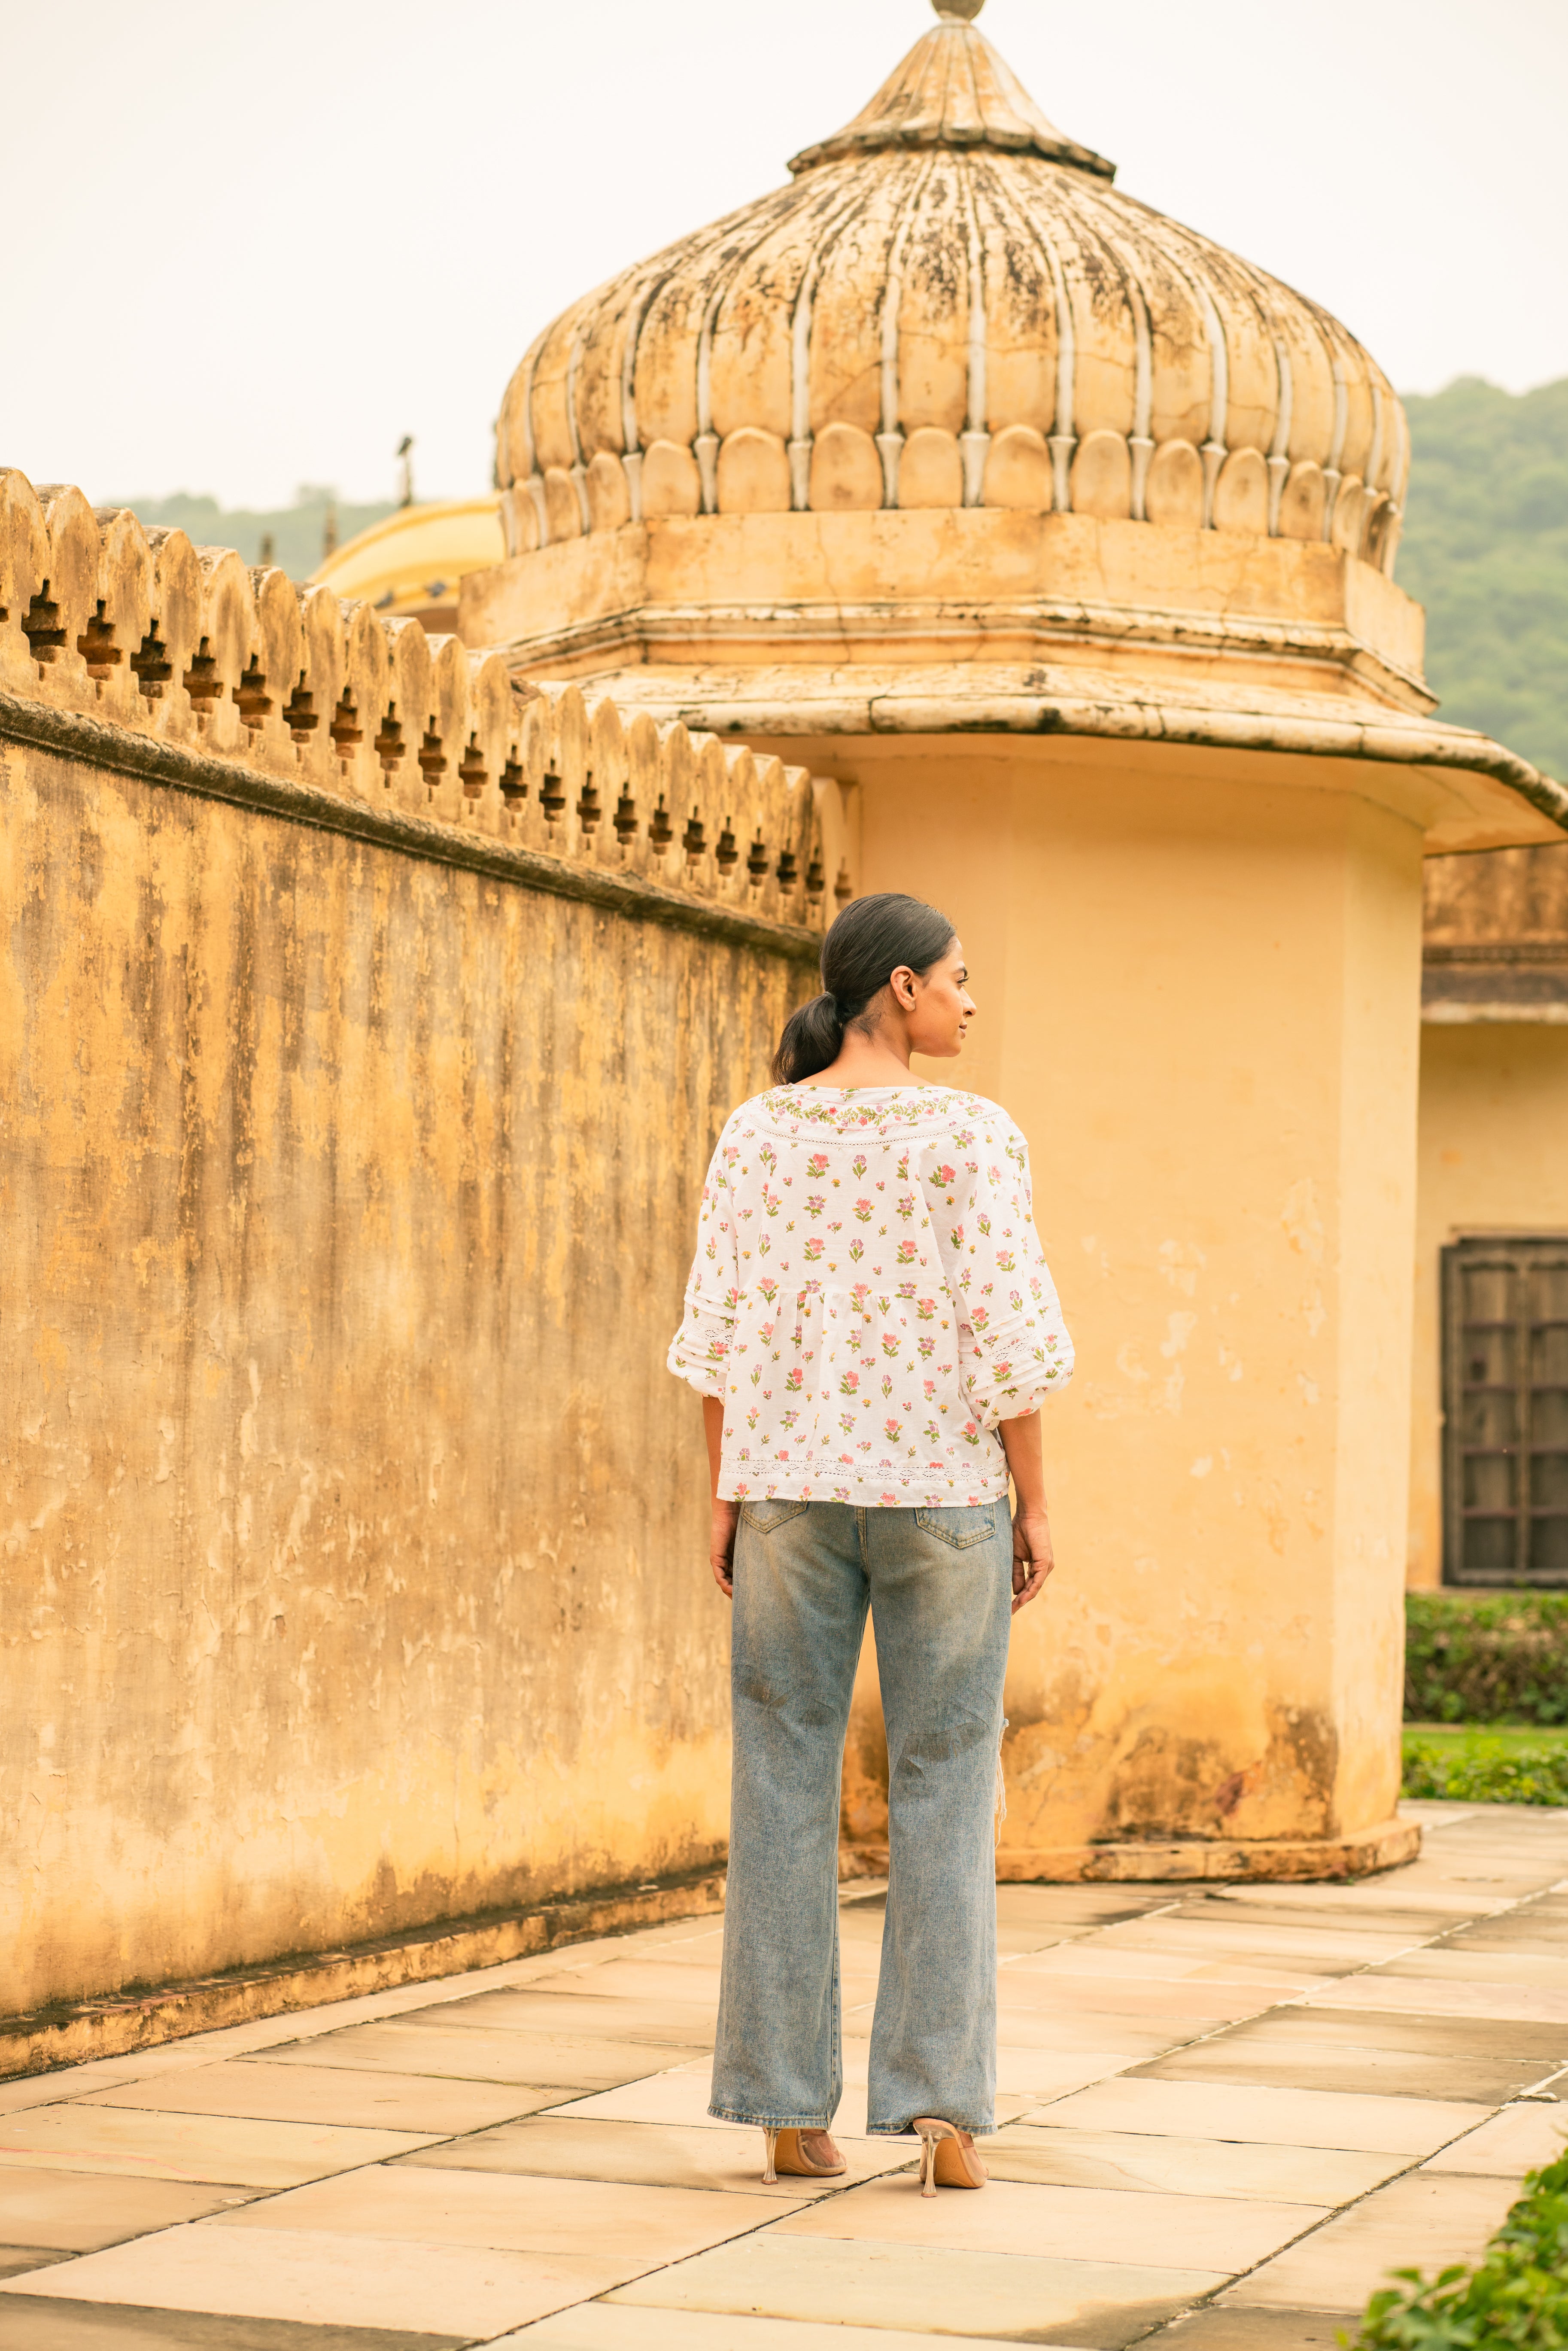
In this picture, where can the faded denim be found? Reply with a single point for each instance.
(939, 1585)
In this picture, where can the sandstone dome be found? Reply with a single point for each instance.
(951, 306)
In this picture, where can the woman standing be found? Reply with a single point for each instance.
(872, 1326)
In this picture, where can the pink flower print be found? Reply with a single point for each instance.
(732, 1298)
(891, 1346)
(792, 1380)
(862, 1211)
(894, 1430)
(769, 1289)
(1006, 1261)
(850, 1384)
(958, 1235)
(751, 1417)
(930, 1386)
(848, 1459)
(890, 1502)
(817, 1164)
(814, 1247)
(741, 1489)
(945, 1176)
(1002, 1370)
(979, 1317)
(971, 1434)
(927, 1309)
(906, 1253)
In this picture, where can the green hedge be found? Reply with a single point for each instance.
(1481, 1767)
(1486, 1657)
(1516, 2296)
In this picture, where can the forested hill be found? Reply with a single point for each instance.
(297, 532)
(1486, 550)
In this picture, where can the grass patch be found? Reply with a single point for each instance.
(1517, 2295)
(1486, 1764)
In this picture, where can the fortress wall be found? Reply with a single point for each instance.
(355, 1543)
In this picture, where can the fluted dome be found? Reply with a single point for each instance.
(951, 306)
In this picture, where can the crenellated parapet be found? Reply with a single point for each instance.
(141, 631)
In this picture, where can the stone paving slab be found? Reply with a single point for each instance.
(28, 2325)
(1223, 2114)
(934, 2290)
(1428, 2221)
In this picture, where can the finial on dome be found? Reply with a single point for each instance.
(956, 94)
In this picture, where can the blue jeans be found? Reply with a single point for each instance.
(939, 1585)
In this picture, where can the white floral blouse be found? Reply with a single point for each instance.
(869, 1296)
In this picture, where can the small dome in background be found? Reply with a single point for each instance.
(408, 566)
(951, 306)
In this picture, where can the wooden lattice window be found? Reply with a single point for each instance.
(1505, 1398)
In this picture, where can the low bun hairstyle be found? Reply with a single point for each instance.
(868, 943)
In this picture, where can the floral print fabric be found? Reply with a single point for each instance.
(869, 1297)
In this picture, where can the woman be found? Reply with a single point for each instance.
(871, 1327)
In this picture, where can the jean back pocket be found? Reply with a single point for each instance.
(959, 1528)
(765, 1515)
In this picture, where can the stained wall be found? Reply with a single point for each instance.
(354, 1533)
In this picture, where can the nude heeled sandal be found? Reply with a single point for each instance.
(785, 2154)
(945, 2160)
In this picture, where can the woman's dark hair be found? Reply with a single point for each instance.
(862, 950)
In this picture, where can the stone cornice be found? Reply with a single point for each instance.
(781, 703)
(1038, 627)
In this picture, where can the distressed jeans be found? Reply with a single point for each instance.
(939, 1585)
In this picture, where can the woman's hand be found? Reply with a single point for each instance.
(1033, 1557)
(726, 1515)
(721, 1545)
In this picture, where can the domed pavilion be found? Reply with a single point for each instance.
(1063, 540)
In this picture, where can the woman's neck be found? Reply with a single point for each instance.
(862, 1063)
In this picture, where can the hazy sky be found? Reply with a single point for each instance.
(248, 247)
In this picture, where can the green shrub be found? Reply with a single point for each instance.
(1486, 1657)
(1476, 1770)
(1516, 2296)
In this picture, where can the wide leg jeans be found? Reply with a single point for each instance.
(938, 1583)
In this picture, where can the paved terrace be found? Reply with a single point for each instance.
(1227, 2112)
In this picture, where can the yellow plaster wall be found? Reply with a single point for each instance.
(1494, 1158)
(1199, 995)
(354, 1531)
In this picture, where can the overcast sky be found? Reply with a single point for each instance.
(248, 247)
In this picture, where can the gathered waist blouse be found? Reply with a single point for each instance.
(869, 1297)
